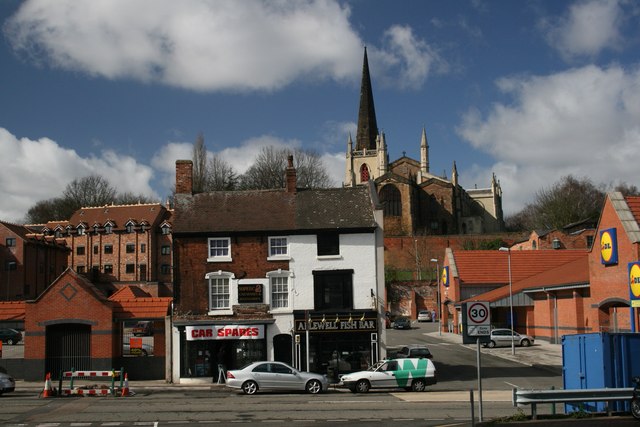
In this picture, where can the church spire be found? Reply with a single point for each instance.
(424, 153)
(367, 125)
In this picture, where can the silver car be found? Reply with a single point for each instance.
(7, 383)
(503, 337)
(275, 376)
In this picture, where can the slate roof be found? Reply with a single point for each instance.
(492, 267)
(274, 210)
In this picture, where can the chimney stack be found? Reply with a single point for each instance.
(184, 177)
(291, 175)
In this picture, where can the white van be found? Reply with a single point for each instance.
(409, 374)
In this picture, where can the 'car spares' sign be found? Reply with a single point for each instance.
(225, 332)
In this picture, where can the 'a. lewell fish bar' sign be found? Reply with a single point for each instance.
(340, 322)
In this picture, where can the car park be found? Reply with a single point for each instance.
(279, 376)
(142, 329)
(402, 322)
(416, 351)
(502, 336)
(424, 316)
(10, 336)
(409, 374)
(7, 382)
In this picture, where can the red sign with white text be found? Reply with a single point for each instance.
(225, 332)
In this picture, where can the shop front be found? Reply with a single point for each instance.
(207, 351)
(338, 342)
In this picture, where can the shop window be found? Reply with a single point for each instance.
(328, 244)
(165, 250)
(279, 285)
(80, 250)
(130, 248)
(108, 249)
(219, 296)
(333, 290)
(219, 249)
(278, 247)
(10, 242)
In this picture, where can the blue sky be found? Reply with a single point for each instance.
(528, 90)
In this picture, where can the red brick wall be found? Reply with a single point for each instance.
(249, 255)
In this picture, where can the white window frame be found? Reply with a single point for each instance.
(279, 274)
(273, 256)
(219, 258)
(231, 285)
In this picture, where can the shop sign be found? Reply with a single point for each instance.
(634, 283)
(225, 332)
(250, 294)
(608, 247)
(339, 326)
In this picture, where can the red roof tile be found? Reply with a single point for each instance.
(142, 308)
(634, 205)
(12, 310)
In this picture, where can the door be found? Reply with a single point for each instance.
(67, 347)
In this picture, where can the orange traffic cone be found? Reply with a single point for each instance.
(125, 388)
(47, 392)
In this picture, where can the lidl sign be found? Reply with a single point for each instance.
(444, 279)
(634, 283)
(608, 246)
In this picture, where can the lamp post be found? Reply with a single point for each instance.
(513, 346)
(438, 313)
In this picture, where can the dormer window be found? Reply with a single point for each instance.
(58, 234)
(108, 229)
(80, 230)
(129, 228)
(95, 229)
(165, 229)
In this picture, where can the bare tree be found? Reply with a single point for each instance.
(128, 198)
(92, 190)
(220, 175)
(199, 164)
(268, 171)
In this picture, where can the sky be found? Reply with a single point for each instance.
(530, 91)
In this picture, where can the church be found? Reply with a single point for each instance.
(416, 202)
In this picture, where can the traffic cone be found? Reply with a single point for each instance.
(47, 392)
(125, 388)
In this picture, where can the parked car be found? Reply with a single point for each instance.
(409, 374)
(10, 336)
(146, 350)
(142, 329)
(402, 322)
(7, 382)
(424, 316)
(503, 337)
(275, 376)
(415, 351)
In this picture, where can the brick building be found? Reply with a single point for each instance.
(276, 275)
(555, 292)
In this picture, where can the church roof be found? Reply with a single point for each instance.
(367, 125)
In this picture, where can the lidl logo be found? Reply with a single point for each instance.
(445, 276)
(608, 246)
(634, 280)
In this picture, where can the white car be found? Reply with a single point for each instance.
(424, 316)
(409, 374)
(502, 336)
(7, 383)
(275, 376)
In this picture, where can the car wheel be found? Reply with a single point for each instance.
(314, 387)
(363, 386)
(10, 341)
(144, 352)
(491, 344)
(525, 343)
(418, 385)
(250, 387)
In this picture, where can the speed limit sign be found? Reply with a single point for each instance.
(478, 318)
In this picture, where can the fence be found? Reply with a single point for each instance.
(104, 389)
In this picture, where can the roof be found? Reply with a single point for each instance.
(628, 210)
(12, 310)
(274, 210)
(119, 215)
(492, 267)
(132, 302)
(572, 274)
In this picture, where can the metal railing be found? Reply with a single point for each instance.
(534, 397)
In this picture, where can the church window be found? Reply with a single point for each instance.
(391, 200)
(364, 173)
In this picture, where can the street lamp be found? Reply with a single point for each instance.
(438, 313)
(508, 251)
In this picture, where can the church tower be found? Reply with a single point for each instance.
(369, 159)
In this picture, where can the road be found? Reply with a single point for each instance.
(446, 403)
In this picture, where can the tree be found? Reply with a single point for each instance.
(53, 209)
(128, 198)
(92, 190)
(199, 164)
(220, 175)
(269, 168)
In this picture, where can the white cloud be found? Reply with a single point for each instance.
(41, 169)
(199, 45)
(588, 28)
(583, 122)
